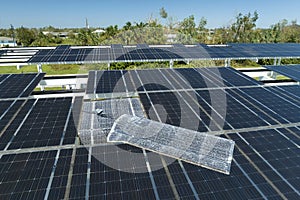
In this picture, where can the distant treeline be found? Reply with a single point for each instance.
(160, 31)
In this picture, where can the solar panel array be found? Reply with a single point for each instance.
(18, 85)
(16, 56)
(200, 149)
(32, 132)
(262, 120)
(146, 53)
(41, 156)
(291, 71)
(123, 82)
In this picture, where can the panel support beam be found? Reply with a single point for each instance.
(108, 66)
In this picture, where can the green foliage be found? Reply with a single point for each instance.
(202, 24)
(243, 29)
(150, 35)
(244, 63)
(128, 26)
(243, 26)
(14, 70)
(86, 37)
(163, 13)
(188, 26)
(290, 61)
(25, 36)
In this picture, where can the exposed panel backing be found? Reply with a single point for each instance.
(194, 147)
(95, 127)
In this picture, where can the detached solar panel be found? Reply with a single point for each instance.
(95, 126)
(201, 149)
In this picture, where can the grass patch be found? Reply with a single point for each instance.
(244, 64)
(54, 69)
(84, 69)
(282, 77)
(49, 89)
(14, 70)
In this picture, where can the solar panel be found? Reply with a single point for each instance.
(145, 53)
(200, 149)
(142, 46)
(63, 47)
(2, 52)
(95, 126)
(26, 175)
(41, 123)
(126, 83)
(292, 71)
(290, 91)
(18, 85)
(44, 158)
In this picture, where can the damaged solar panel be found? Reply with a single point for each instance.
(194, 147)
(98, 117)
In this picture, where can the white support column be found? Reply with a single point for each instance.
(18, 67)
(279, 61)
(227, 62)
(39, 68)
(42, 87)
(275, 61)
(171, 64)
(273, 75)
(108, 66)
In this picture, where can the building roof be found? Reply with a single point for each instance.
(6, 39)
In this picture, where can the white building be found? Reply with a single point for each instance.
(6, 41)
(99, 31)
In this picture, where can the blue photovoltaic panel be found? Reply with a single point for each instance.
(142, 46)
(42, 157)
(143, 52)
(18, 85)
(291, 71)
(165, 79)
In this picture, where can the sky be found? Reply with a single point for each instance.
(102, 13)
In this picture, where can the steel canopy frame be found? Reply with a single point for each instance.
(116, 53)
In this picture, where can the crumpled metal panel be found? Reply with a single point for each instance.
(201, 149)
(94, 128)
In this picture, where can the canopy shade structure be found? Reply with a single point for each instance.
(153, 53)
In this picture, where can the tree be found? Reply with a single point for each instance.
(243, 26)
(128, 26)
(172, 22)
(25, 36)
(86, 37)
(202, 24)
(141, 25)
(163, 13)
(12, 32)
(202, 32)
(188, 26)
